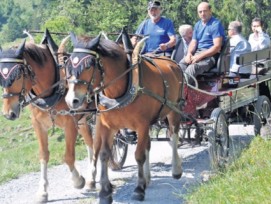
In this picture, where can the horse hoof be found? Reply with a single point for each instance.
(177, 176)
(138, 194)
(107, 200)
(42, 198)
(80, 184)
(91, 185)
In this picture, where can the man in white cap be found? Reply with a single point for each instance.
(160, 30)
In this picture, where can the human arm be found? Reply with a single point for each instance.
(190, 51)
(134, 40)
(259, 40)
(169, 44)
(242, 47)
(263, 40)
(217, 44)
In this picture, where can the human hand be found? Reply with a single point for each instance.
(188, 58)
(194, 59)
(259, 29)
(163, 46)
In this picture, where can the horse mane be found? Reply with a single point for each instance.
(110, 49)
(106, 48)
(37, 52)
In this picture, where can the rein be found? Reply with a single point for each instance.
(99, 89)
(137, 87)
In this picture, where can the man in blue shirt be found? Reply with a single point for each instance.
(203, 50)
(159, 29)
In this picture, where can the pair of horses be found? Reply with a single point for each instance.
(31, 76)
(127, 94)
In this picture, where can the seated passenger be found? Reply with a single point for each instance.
(161, 32)
(258, 39)
(186, 32)
(207, 41)
(238, 45)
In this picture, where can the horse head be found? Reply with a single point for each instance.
(12, 76)
(93, 63)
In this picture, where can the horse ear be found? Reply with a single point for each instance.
(20, 50)
(49, 40)
(73, 38)
(93, 44)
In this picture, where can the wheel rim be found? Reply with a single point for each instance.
(221, 139)
(265, 110)
(118, 150)
(262, 112)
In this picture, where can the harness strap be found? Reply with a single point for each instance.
(163, 100)
(163, 79)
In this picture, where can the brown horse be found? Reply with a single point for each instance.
(127, 96)
(30, 75)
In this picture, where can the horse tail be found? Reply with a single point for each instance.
(137, 49)
(61, 50)
(30, 36)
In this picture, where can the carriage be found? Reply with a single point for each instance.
(216, 101)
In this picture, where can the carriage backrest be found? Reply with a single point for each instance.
(223, 62)
(255, 56)
(178, 52)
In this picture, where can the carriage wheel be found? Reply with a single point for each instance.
(262, 112)
(119, 152)
(219, 139)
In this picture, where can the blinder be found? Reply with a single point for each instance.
(12, 69)
(82, 59)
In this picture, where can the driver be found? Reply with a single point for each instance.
(160, 30)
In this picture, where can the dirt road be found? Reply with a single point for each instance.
(162, 189)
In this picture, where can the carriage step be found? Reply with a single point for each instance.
(206, 121)
(160, 139)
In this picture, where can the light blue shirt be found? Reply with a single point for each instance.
(239, 45)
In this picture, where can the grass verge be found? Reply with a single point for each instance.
(19, 151)
(247, 180)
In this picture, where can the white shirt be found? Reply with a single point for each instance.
(239, 45)
(263, 41)
(185, 46)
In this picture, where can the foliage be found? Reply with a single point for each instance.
(245, 181)
(94, 16)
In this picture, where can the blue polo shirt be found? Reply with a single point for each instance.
(158, 33)
(204, 34)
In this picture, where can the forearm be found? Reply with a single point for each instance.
(208, 53)
(171, 43)
(192, 48)
(264, 41)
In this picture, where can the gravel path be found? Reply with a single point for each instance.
(162, 189)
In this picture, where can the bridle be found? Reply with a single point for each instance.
(26, 69)
(75, 63)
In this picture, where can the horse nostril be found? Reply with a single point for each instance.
(11, 116)
(75, 102)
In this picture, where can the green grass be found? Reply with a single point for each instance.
(247, 180)
(19, 151)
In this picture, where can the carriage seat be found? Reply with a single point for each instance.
(260, 61)
(178, 52)
(223, 63)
